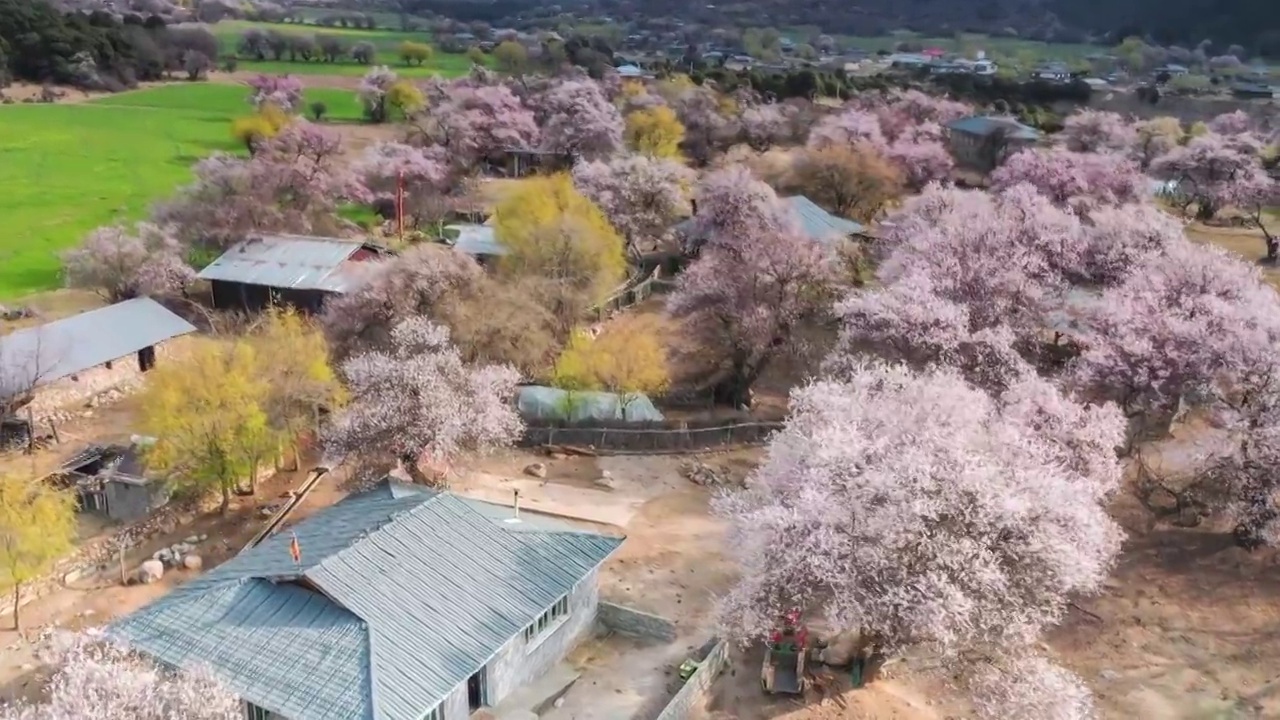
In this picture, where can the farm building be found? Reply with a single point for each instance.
(815, 223)
(982, 142)
(80, 356)
(401, 603)
(111, 480)
(478, 241)
(293, 270)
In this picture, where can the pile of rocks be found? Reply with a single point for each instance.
(13, 314)
(700, 473)
(181, 554)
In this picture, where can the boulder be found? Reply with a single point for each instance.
(151, 571)
(191, 539)
(841, 649)
(193, 562)
(604, 481)
(538, 470)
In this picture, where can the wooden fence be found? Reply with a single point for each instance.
(623, 438)
(634, 291)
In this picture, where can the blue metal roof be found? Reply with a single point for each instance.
(985, 125)
(401, 595)
(46, 353)
(817, 224)
(297, 262)
(631, 71)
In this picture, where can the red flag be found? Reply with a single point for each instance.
(295, 550)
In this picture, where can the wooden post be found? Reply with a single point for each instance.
(124, 576)
(31, 430)
(400, 204)
(53, 427)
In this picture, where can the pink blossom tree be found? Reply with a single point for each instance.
(119, 264)
(577, 118)
(1232, 123)
(1216, 172)
(642, 196)
(1077, 180)
(423, 173)
(765, 125)
(475, 123)
(706, 129)
(912, 107)
(921, 153)
(94, 678)
(916, 147)
(1188, 323)
(847, 127)
(853, 515)
(293, 184)
(282, 91)
(756, 279)
(1093, 131)
(373, 89)
(420, 402)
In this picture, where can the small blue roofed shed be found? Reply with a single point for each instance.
(630, 71)
(478, 241)
(401, 597)
(295, 270)
(40, 355)
(548, 403)
(984, 125)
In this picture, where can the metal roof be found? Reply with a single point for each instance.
(413, 592)
(817, 224)
(476, 240)
(297, 262)
(47, 353)
(985, 125)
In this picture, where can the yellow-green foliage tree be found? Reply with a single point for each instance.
(476, 56)
(404, 97)
(206, 414)
(511, 57)
(262, 125)
(415, 53)
(628, 358)
(655, 131)
(292, 360)
(562, 242)
(37, 527)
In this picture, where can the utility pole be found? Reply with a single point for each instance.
(400, 204)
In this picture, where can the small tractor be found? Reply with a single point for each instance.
(785, 657)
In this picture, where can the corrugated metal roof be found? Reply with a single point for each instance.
(434, 587)
(475, 240)
(297, 262)
(985, 125)
(817, 224)
(50, 352)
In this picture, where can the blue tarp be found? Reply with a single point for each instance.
(539, 402)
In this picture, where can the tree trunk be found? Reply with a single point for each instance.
(226, 499)
(17, 597)
(419, 477)
(1273, 246)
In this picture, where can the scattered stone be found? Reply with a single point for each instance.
(538, 470)
(1108, 674)
(202, 538)
(193, 562)
(191, 539)
(151, 571)
(702, 474)
(605, 481)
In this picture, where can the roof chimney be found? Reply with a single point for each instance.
(515, 508)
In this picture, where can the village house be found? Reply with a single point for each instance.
(982, 142)
(478, 241)
(399, 603)
(293, 270)
(112, 481)
(75, 358)
(815, 223)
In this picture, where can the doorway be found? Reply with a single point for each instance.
(477, 689)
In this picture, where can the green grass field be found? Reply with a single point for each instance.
(68, 169)
(968, 43)
(229, 33)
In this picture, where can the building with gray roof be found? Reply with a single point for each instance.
(73, 347)
(294, 270)
(402, 604)
(982, 142)
(814, 223)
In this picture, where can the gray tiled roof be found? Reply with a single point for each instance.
(414, 591)
(475, 240)
(50, 352)
(297, 262)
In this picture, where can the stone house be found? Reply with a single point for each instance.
(71, 359)
(982, 142)
(294, 270)
(400, 604)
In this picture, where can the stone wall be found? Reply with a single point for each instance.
(51, 400)
(698, 686)
(628, 621)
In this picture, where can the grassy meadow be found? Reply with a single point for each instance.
(386, 42)
(69, 168)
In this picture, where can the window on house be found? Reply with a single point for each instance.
(547, 619)
(253, 712)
